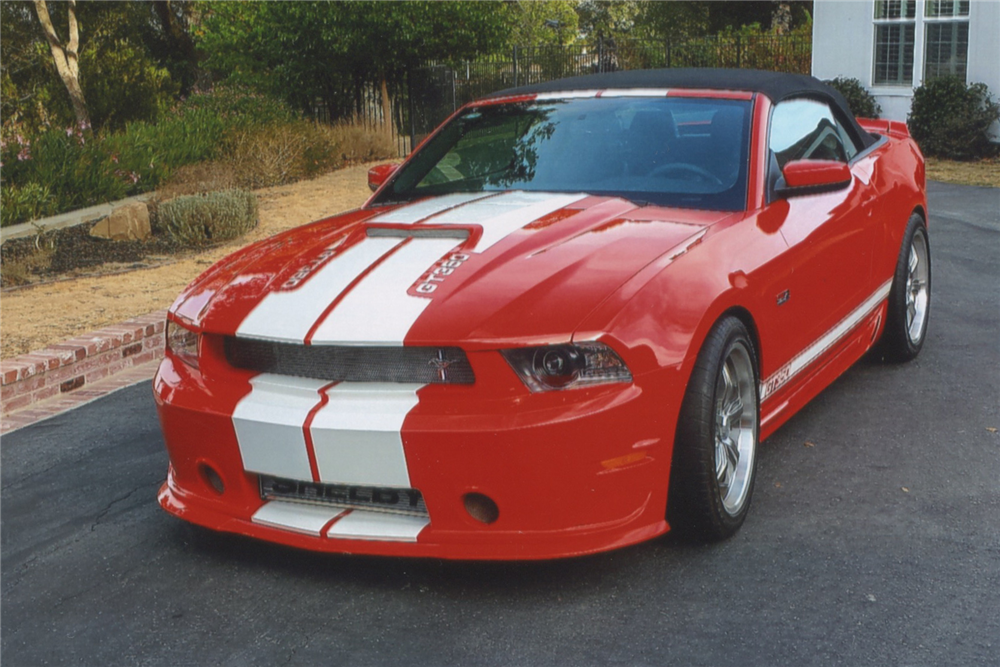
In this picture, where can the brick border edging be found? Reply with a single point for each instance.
(65, 367)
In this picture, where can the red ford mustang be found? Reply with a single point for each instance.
(562, 326)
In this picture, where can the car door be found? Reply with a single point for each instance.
(829, 234)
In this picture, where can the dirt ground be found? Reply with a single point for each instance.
(34, 317)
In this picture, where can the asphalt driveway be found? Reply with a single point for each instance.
(874, 539)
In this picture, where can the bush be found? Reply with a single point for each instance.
(26, 203)
(281, 153)
(274, 155)
(79, 168)
(861, 103)
(951, 120)
(202, 219)
(357, 142)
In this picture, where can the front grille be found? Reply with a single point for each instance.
(341, 363)
(395, 501)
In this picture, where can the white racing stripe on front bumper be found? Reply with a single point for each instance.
(362, 525)
(296, 517)
(353, 525)
(378, 310)
(268, 423)
(288, 315)
(357, 434)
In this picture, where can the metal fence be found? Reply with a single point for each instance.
(434, 90)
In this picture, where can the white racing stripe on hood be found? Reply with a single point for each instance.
(505, 214)
(378, 311)
(268, 423)
(288, 316)
(357, 434)
(412, 213)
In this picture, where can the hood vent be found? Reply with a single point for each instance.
(342, 363)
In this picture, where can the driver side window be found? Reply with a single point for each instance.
(807, 129)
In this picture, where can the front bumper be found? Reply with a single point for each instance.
(571, 472)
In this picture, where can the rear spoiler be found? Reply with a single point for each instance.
(893, 128)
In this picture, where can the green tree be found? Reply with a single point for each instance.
(608, 18)
(309, 51)
(130, 56)
(544, 23)
(673, 20)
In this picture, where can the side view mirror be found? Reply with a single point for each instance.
(378, 175)
(809, 177)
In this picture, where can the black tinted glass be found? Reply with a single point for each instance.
(667, 151)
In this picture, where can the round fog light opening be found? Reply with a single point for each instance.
(212, 478)
(481, 508)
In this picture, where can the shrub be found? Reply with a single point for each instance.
(952, 120)
(861, 103)
(193, 179)
(20, 204)
(357, 142)
(202, 219)
(278, 154)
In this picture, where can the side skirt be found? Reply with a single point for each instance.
(783, 403)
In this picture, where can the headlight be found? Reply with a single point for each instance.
(567, 366)
(183, 343)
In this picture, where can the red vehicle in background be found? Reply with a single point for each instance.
(563, 325)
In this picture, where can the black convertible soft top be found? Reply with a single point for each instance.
(777, 86)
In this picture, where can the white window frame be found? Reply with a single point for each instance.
(917, 44)
(926, 20)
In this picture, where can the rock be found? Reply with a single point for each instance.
(129, 222)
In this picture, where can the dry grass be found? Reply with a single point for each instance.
(983, 172)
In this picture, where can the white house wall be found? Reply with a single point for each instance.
(844, 45)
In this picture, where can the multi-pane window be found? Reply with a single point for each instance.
(895, 26)
(946, 46)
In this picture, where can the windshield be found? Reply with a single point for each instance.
(690, 153)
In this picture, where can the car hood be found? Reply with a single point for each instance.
(483, 270)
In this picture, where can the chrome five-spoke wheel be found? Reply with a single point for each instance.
(917, 288)
(735, 428)
(715, 448)
(910, 296)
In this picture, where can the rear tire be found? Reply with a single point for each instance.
(715, 449)
(910, 297)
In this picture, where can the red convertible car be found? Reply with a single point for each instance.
(562, 325)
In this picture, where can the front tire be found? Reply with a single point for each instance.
(910, 298)
(715, 449)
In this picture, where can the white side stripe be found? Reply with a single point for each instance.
(296, 517)
(288, 316)
(268, 423)
(824, 343)
(356, 436)
(378, 311)
(362, 525)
